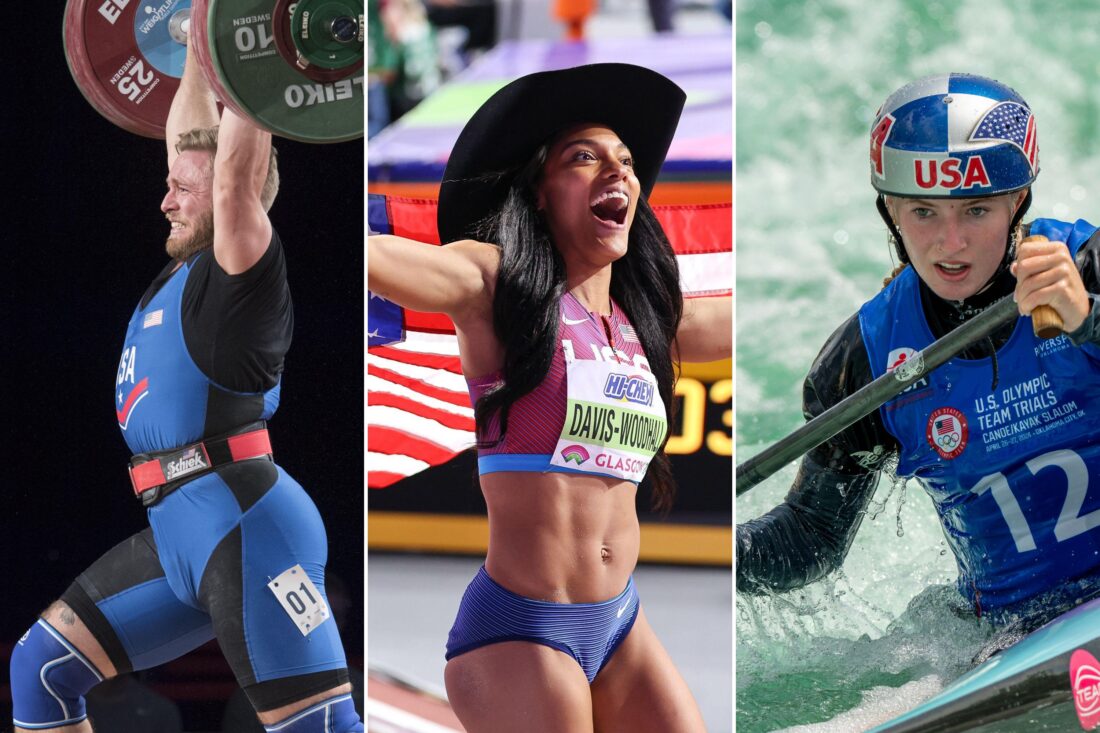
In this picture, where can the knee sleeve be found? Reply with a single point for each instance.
(336, 715)
(49, 678)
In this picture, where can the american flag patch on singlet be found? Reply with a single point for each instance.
(153, 319)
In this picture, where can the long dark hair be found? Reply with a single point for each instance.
(645, 282)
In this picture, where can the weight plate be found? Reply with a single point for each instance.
(125, 60)
(326, 32)
(237, 51)
(323, 39)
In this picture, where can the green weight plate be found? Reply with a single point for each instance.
(237, 51)
(329, 33)
(323, 29)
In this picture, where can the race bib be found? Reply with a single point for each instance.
(300, 599)
(614, 419)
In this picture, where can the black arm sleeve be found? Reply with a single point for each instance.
(1088, 264)
(809, 534)
(238, 327)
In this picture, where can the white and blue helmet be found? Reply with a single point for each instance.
(953, 135)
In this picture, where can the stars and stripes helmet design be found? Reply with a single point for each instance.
(953, 135)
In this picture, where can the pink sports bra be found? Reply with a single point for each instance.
(537, 419)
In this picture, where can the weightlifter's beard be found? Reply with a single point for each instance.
(201, 236)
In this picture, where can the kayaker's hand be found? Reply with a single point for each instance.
(1047, 275)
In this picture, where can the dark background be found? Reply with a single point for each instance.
(82, 237)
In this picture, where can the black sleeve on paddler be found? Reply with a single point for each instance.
(809, 534)
(1088, 264)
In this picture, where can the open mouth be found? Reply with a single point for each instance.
(610, 207)
(952, 270)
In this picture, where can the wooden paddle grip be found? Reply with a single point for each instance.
(1045, 321)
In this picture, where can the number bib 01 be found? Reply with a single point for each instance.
(614, 419)
(300, 598)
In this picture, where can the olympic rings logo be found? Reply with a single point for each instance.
(946, 432)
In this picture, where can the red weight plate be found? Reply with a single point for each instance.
(80, 67)
(123, 61)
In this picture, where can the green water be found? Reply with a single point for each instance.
(810, 250)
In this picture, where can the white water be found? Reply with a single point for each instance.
(879, 705)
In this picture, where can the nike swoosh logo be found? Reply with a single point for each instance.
(571, 322)
(622, 609)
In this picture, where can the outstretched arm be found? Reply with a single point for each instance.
(706, 329)
(456, 279)
(194, 105)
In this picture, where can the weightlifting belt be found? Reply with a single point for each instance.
(155, 475)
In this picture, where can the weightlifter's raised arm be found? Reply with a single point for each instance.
(242, 230)
(194, 105)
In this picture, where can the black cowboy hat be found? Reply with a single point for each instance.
(640, 105)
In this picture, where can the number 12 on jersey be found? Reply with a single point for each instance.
(1069, 524)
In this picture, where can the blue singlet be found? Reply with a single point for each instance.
(1013, 470)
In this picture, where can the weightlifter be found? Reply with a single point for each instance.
(235, 549)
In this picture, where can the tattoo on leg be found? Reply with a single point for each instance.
(68, 617)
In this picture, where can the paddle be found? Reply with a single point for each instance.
(872, 396)
(1045, 321)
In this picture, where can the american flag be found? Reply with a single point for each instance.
(944, 426)
(628, 333)
(1011, 122)
(418, 410)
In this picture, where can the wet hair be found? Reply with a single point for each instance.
(530, 284)
(205, 139)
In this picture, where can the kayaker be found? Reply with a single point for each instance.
(1001, 437)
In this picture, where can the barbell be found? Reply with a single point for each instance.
(295, 68)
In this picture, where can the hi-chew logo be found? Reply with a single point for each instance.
(635, 388)
(575, 453)
(947, 432)
(1084, 676)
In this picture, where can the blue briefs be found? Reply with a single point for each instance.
(588, 632)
